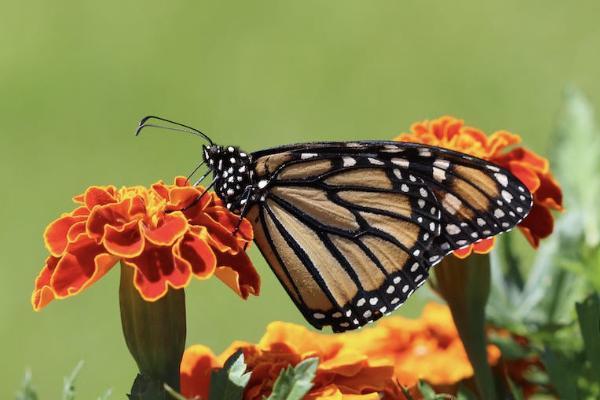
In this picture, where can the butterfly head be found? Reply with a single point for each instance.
(232, 173)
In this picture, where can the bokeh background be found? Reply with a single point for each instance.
(75, 77)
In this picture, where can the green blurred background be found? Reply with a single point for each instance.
(75, 77)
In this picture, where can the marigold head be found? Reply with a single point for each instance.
(499, 148)
(151, 231)
(342, 371)
(427, 348)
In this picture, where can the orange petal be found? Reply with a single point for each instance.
(525, 174)
(115, 214)
(201, 258)
(172, 226)
(125, 241)
(97, 195)
(549, 193)
(55, 235)
(84, 263)
(237, 272)
(537, 225)
(157, 268)
(196, 367)
(43, 293)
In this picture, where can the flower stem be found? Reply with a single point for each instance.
(465, 285)
(154, 331)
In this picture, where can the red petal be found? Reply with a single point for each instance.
(196, 251)
(237, 272)
(156, 269)
(84, 263)
(43, 293)
(196, 367)
(55, 235)
(171, 227)
(96, 195)
(549, 193)
(537, 225)
(464, 252)
(525, 174)
(115, 214)
(124, 241)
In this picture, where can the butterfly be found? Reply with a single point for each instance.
(351, 229)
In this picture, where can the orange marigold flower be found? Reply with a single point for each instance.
(530, 168)
(427, 348)
(343, 372)
(146, 230)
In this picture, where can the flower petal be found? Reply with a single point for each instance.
(84, 263)
(97, 195)
(201, 258)
(55, 235)
(537, 225)
(157, 268)
(43, 293)
(172, 227)
(237, 272)
(125, 241)
(115, 214)
(196, 368)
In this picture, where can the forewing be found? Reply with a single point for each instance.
(347, 235)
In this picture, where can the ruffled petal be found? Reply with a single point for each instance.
(157, 268)
(237, 272)
(202, 260)
(43, 293)
(114, 214)
(55, 235)
(99, 196)
(125, 241)
(539, 224)
(172, 227)
(84, 263)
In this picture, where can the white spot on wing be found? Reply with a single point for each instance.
(503, 179)
(452, 229)
(349, 161)
(401, 162)
(305, 156)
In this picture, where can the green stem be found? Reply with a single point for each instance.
(154, 331)
(465, 285)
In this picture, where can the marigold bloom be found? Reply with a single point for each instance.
(530, 168)
(343, 372)
(427, 348)
(147, 230)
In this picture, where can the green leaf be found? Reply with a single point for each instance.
(516, 392)
(426, 390)
(69, 383)
(294, 382)
(588, 313)
(27, 391)
(229, 382)
(577, 140)
(563, 373)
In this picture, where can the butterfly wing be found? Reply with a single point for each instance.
(351, 229)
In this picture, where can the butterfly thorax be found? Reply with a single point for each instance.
(232, 174)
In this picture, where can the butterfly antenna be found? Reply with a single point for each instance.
(144, 123)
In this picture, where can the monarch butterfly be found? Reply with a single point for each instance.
(351, 229)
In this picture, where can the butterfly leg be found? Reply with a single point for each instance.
(245, 204)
